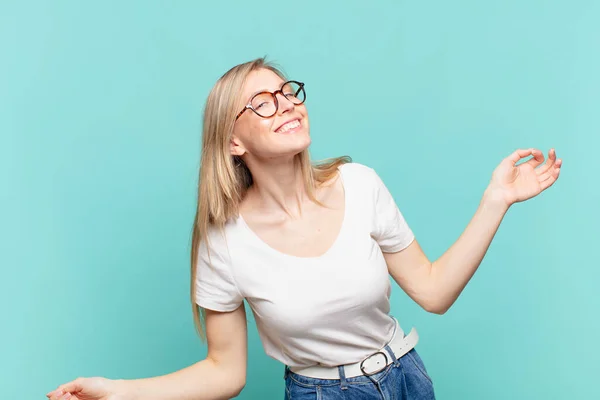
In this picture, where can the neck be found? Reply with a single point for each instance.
(278, 186)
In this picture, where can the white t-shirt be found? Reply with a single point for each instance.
(328, 310)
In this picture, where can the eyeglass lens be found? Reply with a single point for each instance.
(264, 103)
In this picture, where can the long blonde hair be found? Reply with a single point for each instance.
(224, 179)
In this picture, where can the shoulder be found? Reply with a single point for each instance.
(356, 169)
(217, 240)
(360, 173)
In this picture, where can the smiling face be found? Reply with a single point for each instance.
(282, 135)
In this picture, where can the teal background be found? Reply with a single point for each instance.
(100, 115)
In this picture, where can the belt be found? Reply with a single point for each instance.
(373, 364)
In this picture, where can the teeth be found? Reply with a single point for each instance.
(290, 125)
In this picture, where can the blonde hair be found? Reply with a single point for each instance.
(224, 179)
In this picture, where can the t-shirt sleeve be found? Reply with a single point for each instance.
(216, 288)
(390, 229)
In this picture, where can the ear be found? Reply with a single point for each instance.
(236, 147)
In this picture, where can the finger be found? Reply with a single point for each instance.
(549, 181)
(549, 162)
(550, 171)
(57, 395)
(518, 154)
(73, 386)
(54, 394)
(550, 176)
(538, 159)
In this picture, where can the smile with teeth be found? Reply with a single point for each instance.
(289, 126)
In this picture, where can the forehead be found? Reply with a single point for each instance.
(261, 80)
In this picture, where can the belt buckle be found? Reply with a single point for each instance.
(381, 369)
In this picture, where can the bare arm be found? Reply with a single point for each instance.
(436, 286)
(222, 375)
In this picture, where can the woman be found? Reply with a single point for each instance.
(310, 248)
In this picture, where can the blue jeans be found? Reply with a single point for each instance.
(404, 379)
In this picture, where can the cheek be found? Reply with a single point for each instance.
(255, 134)
(306, 124)
(253, 130)
(264, 125)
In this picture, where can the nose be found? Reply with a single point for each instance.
(285, 105)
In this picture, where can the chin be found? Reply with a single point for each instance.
(302, 142)
(298, 147)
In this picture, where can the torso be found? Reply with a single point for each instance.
(318, 286)
(310, 235)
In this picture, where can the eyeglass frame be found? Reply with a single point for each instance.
(274, 95)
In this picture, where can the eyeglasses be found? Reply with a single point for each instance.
(265, 104)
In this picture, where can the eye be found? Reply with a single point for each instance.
(293, 91)
(262, 100)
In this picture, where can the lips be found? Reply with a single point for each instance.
(286, 126)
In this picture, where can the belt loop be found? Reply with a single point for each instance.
(392, 354)
(343, 383)
(286, 373)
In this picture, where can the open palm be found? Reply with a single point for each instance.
(521, 182)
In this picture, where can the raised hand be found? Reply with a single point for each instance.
(514, 183)
(89, 389)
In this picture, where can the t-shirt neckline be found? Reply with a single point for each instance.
(260, 242)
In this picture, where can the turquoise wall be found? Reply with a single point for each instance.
(100, 115)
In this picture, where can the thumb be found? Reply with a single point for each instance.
(538, 158)
(517, 155)
(73, 386)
